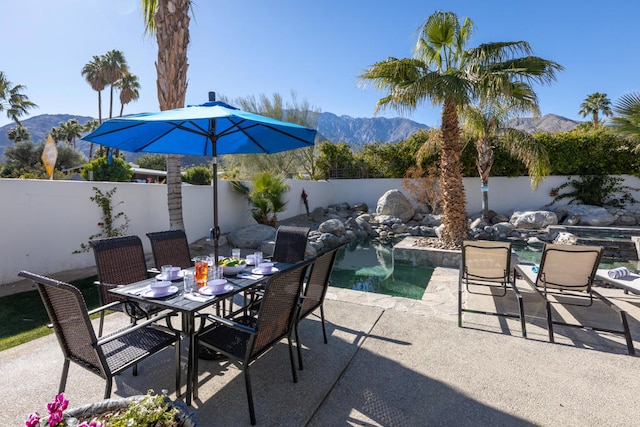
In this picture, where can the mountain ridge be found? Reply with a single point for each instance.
(355, 131)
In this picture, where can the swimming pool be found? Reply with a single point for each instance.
(369, 266)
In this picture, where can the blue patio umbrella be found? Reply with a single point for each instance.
(211, 129)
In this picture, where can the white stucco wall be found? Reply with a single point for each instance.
(42, 222)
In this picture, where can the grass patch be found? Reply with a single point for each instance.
(23, 317)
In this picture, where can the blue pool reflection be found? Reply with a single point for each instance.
(369, 266)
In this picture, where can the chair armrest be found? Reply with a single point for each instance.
(104, 307)
(229, 323)
(137, 326)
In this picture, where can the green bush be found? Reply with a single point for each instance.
(197, 175)
(117, 171)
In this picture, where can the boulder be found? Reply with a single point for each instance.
(332, 226)
(251, 236)
(360, 207)
(533, 219)
(591, 215)
(564, 238)
(395, 203)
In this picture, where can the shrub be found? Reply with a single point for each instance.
(197, 175)
(117, 171)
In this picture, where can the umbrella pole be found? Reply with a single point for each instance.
(216, 230)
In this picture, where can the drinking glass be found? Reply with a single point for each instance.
(257, 256)
(166, 271)
(202, 270)
(218, 272)
(235, 253)
(188, 281)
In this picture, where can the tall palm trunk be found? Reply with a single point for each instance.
(99, 119)
(485, 161)
(451, 186)
(172, 34)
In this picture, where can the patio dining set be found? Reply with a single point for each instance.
(251, 315)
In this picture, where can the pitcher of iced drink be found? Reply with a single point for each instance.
(202, 269)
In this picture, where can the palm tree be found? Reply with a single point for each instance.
(71, 129)
(128, 86)
(169, 21)
(93, 73)
(12, 100)
(114, 68)
(18, 133)
(489, 126)
(445, 72)
(593, 104)
(57, 134)
(627, 119)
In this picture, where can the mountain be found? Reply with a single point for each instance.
(355, 131)
(546, 123)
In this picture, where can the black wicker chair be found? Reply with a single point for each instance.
(107, 356)
(315, 291)
(121, 261)
(170, 248)
(245, 338)
(290, 244)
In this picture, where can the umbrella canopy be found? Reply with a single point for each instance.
(210, 129)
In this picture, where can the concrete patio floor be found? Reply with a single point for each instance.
(389, 362)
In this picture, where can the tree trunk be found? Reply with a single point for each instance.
(454, 211)
(485, 161)
(172, 34)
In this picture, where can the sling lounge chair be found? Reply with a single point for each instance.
(488, 264)
(566, 275)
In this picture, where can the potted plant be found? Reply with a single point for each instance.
(146, 410)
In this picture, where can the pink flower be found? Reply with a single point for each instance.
(33, 420)
(55, 409)
(93, 423)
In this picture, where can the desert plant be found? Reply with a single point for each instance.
(597, 190)
(266, 196)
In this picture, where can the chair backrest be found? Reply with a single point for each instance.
(290, 244)
(120, 261)
(278, 307)
(568, 267)
(68, 313)
(486, 261)
(318, 281)
(170, 248)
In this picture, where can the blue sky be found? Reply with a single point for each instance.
(313, 48)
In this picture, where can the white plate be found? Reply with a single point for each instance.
(209, 291)
(152, 293)
(178, 278)
(258, 271)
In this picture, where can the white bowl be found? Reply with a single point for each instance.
(174, 273)
(217, 285)
(160, 286)
(265, 267)
(233, 270)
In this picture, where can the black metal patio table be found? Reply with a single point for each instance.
(188, 308)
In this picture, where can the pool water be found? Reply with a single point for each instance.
(532, 255)
(369, 266)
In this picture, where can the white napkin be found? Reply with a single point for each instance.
(196, 298)
(250, 276)
(619, 273)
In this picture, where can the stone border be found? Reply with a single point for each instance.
(408, 252)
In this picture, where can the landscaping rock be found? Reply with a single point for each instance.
(395, 203)
(251, 236)
(566, 239)
(590, 215)
(533, 219)
(333, 226)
